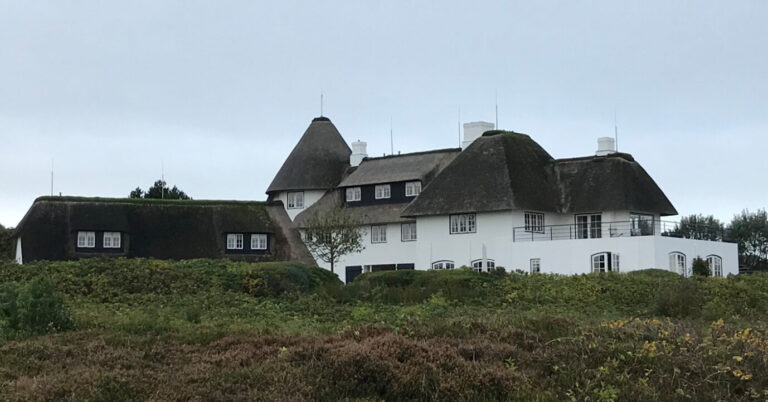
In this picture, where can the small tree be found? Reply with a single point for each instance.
(160, 190)
(6, 243)
(699, 227)
(333, 234)
(750, 231)
(701, 267)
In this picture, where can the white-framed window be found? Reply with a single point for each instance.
(234, 241)
(111, 239)
(534, 222)
(408, 231)
(296, 200)
(353, 194)
(383, 191)
(535, 265)
(258, 241)
(605, 262)
(443, 264)
(678, 263)
(715, 265)
(379, 234)
(86, 239)
(463, 223)
(477, 265)
(589, 226)
(412, 188)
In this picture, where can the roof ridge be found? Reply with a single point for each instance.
(432, 151)
(148, 201)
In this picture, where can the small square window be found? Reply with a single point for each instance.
(86, 239)
(535, 265)
(111, 239)
(534, 222)
(235, 241)
(412, 188)
(408, 231)
(383, 191)
(258, 241)
(296, 200)
(379, 234)
(353, 194)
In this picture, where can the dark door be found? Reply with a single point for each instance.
(353, 272)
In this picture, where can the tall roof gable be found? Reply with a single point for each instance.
(317, 162)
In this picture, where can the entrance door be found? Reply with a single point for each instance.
(353, 272)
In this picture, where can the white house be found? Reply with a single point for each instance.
(499, 201)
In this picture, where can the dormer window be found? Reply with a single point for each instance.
(234, 241)
(412, 188)
(383, 191)
(296, 200)
(111, 239)
(258, 241)
(86, 239)
(353, 194)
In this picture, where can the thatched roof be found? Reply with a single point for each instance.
(422, 166)
(611, 182)
(366, 215)
(166, 229)
(317, 161)
(509, 171)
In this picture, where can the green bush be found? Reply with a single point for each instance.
(32, 309)
(701, 267)
(683, 298)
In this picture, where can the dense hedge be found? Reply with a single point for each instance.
(110, 279)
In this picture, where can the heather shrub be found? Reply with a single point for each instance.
(32, 309)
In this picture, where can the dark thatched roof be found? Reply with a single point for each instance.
(317, 161)
(166, 229)
(509, 171)
(366, 215)
(495, 173)
(612, 182)
(422, 166)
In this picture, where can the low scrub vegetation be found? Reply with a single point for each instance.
(117, 329)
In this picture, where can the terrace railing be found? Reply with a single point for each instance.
(608, 229)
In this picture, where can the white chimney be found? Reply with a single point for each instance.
(359, 151)
(605, 146)
(474, 130)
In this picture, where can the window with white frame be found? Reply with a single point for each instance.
(678, 263)
(383, 191)
(234, 241)
(535, 265)
(477, 265)
(258, 241)
(534, 222)
(443, 264)
(408, 231)
(296, 200)
(589, 226)
(86, 239)
(715, 265)
(412, 188)
(379, 234)
(353, 194)
(111, 240)
(605, 262)
(464, 223)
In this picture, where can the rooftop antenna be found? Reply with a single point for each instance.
(51, 177)
(458, 125)
(321, 102)
(615, 131)
(497, 109)
(162, 178)
(391, 138)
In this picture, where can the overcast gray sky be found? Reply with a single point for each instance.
(220, 91)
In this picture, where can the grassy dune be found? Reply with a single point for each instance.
(217, 330)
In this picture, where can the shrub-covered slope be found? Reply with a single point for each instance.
(217, 330)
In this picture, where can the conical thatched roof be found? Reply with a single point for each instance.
(317, 162)
(509, 171)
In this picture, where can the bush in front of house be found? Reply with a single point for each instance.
(32, 309)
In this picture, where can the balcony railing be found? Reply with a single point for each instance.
(608, 229)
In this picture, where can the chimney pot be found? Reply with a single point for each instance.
(359, 151)
(605, 146)
(474, 130)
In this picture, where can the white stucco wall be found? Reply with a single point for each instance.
(310, 197)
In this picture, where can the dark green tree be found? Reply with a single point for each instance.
(160, 190)
(699, 227)
(7, 249)
(333, 234)
(750, 231)
(701, 267)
